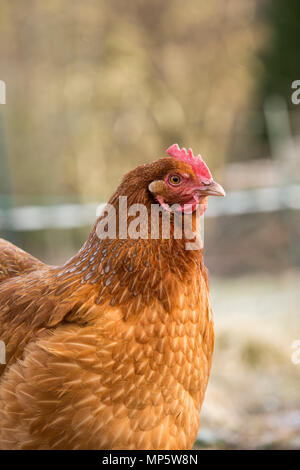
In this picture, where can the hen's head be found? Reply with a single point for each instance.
(185, 182)
(179, 182)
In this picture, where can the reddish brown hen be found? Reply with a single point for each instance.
(112, 350)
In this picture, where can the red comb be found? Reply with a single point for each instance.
(198, 165)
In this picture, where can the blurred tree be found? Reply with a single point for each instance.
(96, 88)
(280, 55)
(275, 67)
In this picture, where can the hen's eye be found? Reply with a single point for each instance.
(175, 179)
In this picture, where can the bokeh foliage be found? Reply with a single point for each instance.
(280, 54)
(96, 87)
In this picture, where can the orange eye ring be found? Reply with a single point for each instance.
(175, 180)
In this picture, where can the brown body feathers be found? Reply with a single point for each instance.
(111, 351)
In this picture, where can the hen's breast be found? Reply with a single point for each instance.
(154, 370)
(171, 356)
(114, 384)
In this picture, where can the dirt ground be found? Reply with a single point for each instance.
(253, 397)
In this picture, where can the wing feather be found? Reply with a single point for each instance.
(14, 261)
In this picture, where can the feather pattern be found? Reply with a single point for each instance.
(110, 351)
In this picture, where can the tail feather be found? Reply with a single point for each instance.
(14, 261)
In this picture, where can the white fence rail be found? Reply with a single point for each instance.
(63, 216)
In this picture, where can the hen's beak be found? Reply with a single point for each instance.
(211, 189)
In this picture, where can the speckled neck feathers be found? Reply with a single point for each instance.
(131, 273)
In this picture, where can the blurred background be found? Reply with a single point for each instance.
(94, 88)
